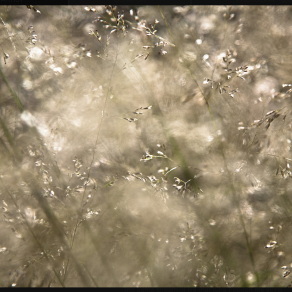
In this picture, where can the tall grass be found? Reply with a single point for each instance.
(145, 146)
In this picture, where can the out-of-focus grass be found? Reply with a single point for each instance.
(145, 146)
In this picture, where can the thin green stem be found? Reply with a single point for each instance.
(14, 95)
(33, 234)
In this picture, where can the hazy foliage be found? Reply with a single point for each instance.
(145, 146)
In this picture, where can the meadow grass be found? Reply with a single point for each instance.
(145, 146)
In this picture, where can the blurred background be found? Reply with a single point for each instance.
(145, 146)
